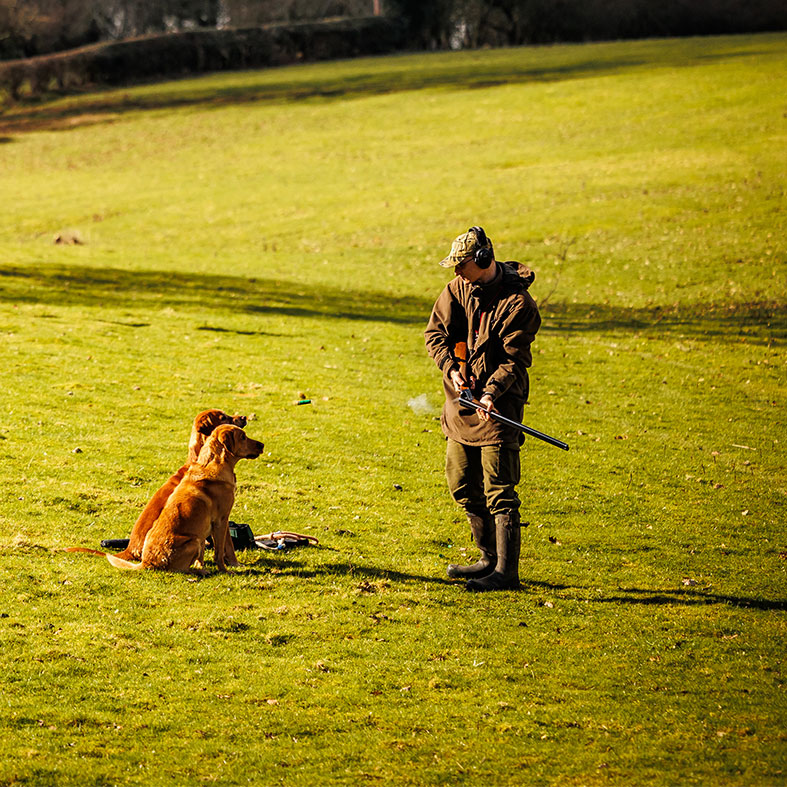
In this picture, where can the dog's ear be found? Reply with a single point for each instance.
(231, 437)
(204, 422)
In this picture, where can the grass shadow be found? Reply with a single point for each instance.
(216, 329)
(60, 285)
(688, 597)
(286, 566)
(150, 291)
(761, 321)
(368, 574)
(658, 596)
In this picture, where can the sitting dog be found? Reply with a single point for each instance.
(199, 507)
(204, 424)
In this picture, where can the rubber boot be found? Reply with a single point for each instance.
(484, 537)
(506, 573)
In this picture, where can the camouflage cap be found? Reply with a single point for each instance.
(464, 247)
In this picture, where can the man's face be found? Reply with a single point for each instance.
(469, 271)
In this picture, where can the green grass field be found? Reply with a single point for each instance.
(251, 237)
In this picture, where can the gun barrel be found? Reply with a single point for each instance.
(466, 398)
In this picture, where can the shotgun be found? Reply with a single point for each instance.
(466, 398)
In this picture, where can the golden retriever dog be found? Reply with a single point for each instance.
(203, 426)
(199, 507)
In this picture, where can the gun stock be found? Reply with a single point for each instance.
(460, 354)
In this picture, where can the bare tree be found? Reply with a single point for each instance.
(242, 13)
(126, 18)
(35, 26)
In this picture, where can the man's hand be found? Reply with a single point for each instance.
(489, 404)
(457, 380)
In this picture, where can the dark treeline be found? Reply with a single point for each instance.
(442, 24)
(36, 27)
(182, 53)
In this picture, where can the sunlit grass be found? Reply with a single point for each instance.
(252, 237)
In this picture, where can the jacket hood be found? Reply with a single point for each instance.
(513, 276)
(527, 275)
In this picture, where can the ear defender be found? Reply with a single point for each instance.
(483, 255)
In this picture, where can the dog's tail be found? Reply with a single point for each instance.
(116, 561)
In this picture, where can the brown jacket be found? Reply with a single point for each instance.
(507, 319)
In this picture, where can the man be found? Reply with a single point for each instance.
(487, 306)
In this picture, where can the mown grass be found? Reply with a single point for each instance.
(251, 237)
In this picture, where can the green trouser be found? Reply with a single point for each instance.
(483, 479)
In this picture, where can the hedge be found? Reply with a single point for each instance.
(174, 54)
